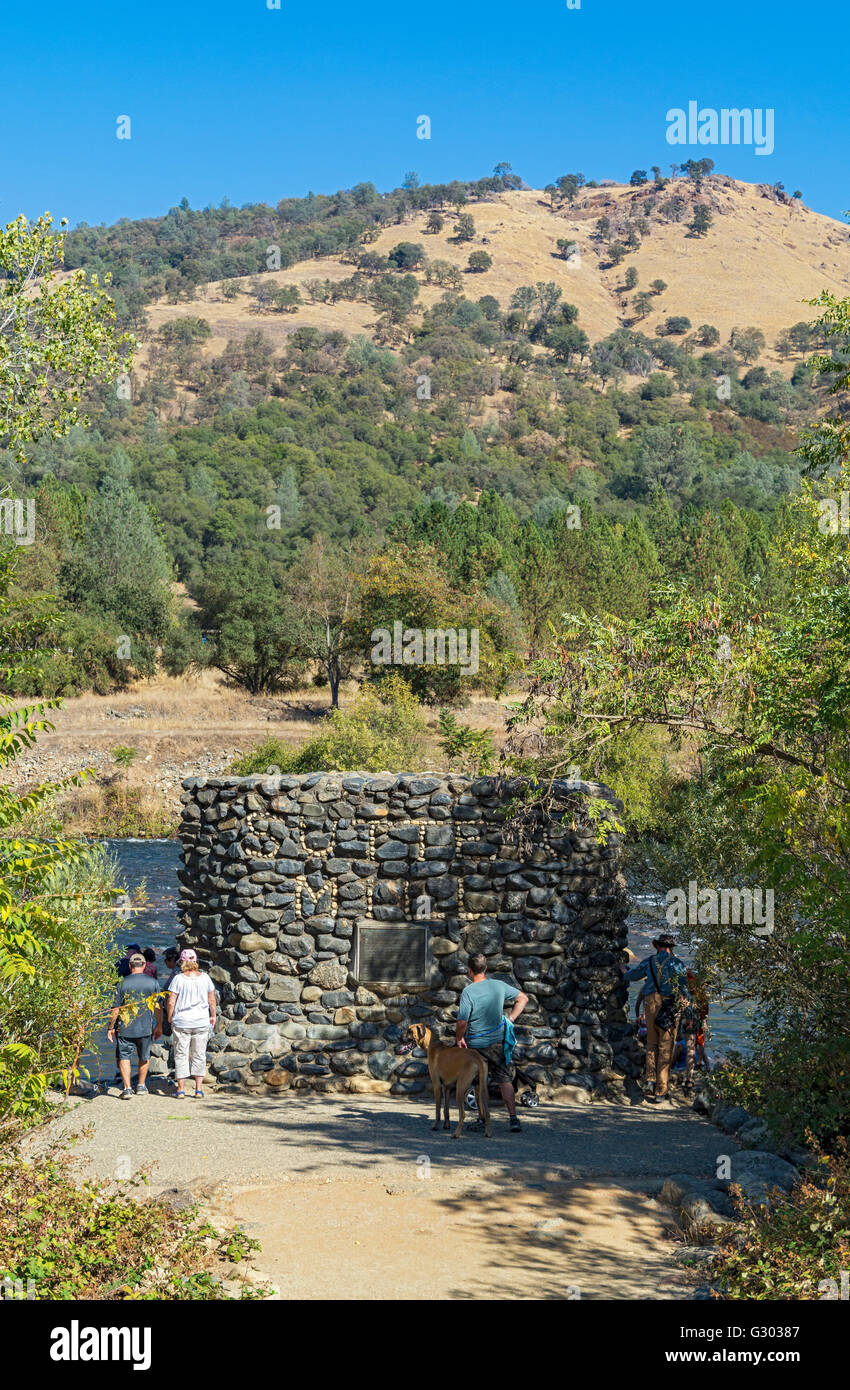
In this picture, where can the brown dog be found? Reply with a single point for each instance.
(453, 1066)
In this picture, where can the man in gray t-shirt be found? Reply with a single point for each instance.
(142, 1024)
(481, 1024)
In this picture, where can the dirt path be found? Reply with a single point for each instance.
(353, 1198)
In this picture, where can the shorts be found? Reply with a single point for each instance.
(496, 1069)
(130, 1048)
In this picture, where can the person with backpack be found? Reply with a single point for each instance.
(665, 994)
(134, 1034)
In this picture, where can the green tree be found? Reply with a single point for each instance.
(523, 300)
(53, 892)
(321, 591)
(55, 338)
(464, 227)
(747, 343)
(246, 624)
(479, 261)
(119, 567)
(406, 255)
(702, 220)
(287, 298)
(567, 341)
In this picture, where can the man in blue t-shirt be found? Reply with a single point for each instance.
(139, 1028)
(481, 1024)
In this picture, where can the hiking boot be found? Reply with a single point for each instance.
(127, 1093)
(516, 1127)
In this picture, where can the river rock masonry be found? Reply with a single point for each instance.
(332, 910)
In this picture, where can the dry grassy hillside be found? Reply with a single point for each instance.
(758, 263)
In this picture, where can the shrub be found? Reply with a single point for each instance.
(635, 766)
(468, 750)
(383, 731)
(792, 1248)
(116, 812)
(795, 1081)
(77, 1239)
(406, 255)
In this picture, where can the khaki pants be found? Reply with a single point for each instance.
(659, 1048)
(190, 1052)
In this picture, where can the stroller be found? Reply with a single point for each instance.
(526, 1091)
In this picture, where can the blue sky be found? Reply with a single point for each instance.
(257, 104)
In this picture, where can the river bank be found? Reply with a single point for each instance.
(177, 728)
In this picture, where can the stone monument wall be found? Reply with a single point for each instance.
(331, 910)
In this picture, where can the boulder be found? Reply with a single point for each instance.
(328, 974)
(757, 1172)
(283, 989)
(366, 1086)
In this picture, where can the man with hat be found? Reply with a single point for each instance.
(664, 994)
(139, 1027)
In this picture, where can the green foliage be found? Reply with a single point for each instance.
(702, 220)
(248, 631)
(124, 757)
(795, 1078)
(464, 227)
(468, 750)
(756, 677)
(54, 338)
(406, 255)
(747, 343)
(635, 765)
(49, 888)
(795, 1249)
(383, 731)
(409, 586)
(76, 1239)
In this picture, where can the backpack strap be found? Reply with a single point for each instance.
(655, 978)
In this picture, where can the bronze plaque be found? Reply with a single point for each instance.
(393, 954)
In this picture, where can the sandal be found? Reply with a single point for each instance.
(198, 1095)
(181, 1095)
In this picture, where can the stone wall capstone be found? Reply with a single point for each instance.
(333, 909)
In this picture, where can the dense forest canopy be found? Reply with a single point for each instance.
(541, 472)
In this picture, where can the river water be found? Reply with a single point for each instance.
(152, 865)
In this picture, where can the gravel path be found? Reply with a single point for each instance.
(247, 1140)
